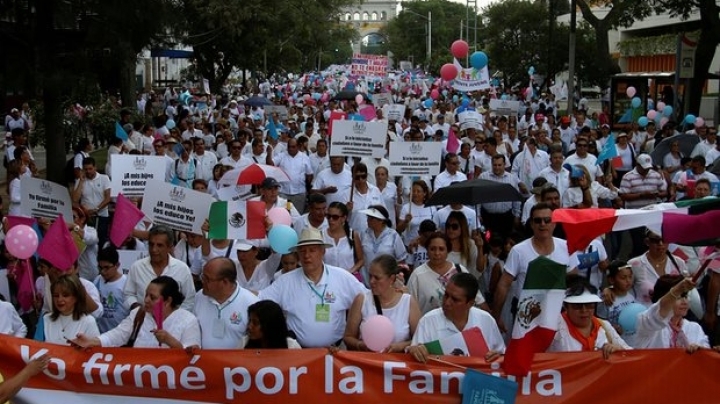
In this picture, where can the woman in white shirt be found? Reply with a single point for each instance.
(379, 238)
(267, 328)
(650, 266)
(346, 247)
(67, 318)
(384, 298)
(663, 325)
(176, 328)
(414, 212)
(15, 171)
(389, 192)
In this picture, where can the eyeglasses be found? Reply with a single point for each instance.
(541, 220)
(452, 226)
(333, 217)
(103, 268)
(361, 176)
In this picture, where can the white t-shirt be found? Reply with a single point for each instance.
(435, 326)
(181, 324)
(111, 294)
(10, 321)
(564, 342)
(141, 274)
(65, 328)
(93, 192)
(303, 303)
(523, 253)
(399, 315)
(428, 288)
(222, 326)
(419, 214)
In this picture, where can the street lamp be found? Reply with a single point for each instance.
(429, 33)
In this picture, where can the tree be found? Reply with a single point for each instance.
(707, 43)
(622, 13)
(407, 33)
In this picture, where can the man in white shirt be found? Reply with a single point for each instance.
(581, 156)
(315, 297)
(315, 218)
(221, 307)
(297, 166)
(236, 159)
(704, 146)
(159, 262)
(458, 314)
(205, 161)
(555, 173)
(451, 173)
(334, 182)
(92, 194)
(373, 163)
(441, 125)
(319, 160)
(529, 162)
(191, 132)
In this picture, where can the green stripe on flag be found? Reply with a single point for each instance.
(544, 273)
(434, 347)
(218, 220)
(697, 206)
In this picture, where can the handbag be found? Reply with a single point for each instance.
(137, 323)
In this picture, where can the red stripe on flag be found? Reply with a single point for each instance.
(255, 211)
(520, 352)
(584, 225)
(475, 341)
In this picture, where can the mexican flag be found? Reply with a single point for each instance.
(537, 317)
(237, 220)
(683, 222)
(467, 343)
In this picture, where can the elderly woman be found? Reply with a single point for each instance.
(579, 329)
(379, 238)
(386, 300)
(663, 325)
(177, 328)
(427, 282)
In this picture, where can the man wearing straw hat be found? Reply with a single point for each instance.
(316, 296)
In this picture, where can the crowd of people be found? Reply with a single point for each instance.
(367, 242)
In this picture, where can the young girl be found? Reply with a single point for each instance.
(620, 278)
(288, 262)
(68, 318)
(267, 327)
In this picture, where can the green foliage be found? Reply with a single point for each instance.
(648, 46)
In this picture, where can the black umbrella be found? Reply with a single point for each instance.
(687, 144)
(715, 169)
(257, 101)
(348, 96)
(473, 192)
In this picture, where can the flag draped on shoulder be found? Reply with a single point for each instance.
(537, 316)
(237, 220)
(470, 342)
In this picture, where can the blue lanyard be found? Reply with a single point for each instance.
(321, 296)
(221, 307)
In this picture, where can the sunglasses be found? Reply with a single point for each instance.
(333, 217)
(541, 220)
(452, 226)
(361, 176)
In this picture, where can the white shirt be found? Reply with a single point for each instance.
(559, 180)
(64, 328)
(239, 163)
(301, 223)
(373, 163)
(399, 315)
(111, 293)
(589, 161)
(319, 163)
(297, 168)
(442, 214)
(527, 166)
(181, 324)
(93, 192)
(523, 253)
(141, 273)
(428, 289)
(261, 276)
(358, 221)
(205, 165)
(342, 181)
(419, 213)
(222, 326)
(564, 342)
(653, 331)
(341, 254)
(299, 298)
(445, 178)
(388, 242)
(435, 326)
(191, 256)
(87, 261)
(10, 321)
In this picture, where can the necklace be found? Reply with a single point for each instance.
(63, 324)
(657, 264)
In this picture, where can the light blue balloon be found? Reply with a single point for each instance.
(478, 60)
(503, 97)
(428, 103)
(282, 238)
(643, 121)
(170, 124)
(445, 93)
(316, 96)
(650, 105)
(455, 98)
(636, 102)
(667, 111)
(628, 316)
(690, 119)
(465, 102)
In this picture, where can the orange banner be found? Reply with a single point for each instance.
(210, 376)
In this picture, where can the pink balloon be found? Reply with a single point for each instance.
(663, 121)
(359, 99)
(280, 216)
(21, 241)
(651, 115)
(699, 122)
(459, 49)
(660, 106)
(377, 332)
(448, 71)
(630, 92)
(435, 94)
(307, 97)
(325, 97)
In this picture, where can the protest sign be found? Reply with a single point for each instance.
(128, 257)
(381, 99)
(280, 110)
(42, 198)
(504, 107)
(130, 173)
(177, 207)
(470, 119)
(395, 112)
(358, 139)
(415, 158)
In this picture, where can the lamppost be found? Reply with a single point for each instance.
(429, 33)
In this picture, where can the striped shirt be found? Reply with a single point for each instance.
(634, 183)
(502, 207)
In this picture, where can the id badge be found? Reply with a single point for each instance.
(322, 313)
(218, 328)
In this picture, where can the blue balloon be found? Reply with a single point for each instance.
(316, 96)
(667, 111)
(428, 103)
(170, 124)
(455, 98)
(643, 121)
(282, 238)
(445, 93)
(478, 60)
(690, 119)
(636, 102)
(503, 97)
(628, 316)
(465, 102)
(650, 105)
